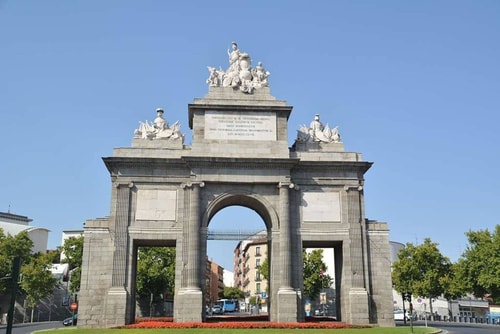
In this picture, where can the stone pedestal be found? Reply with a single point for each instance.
(287, 305)
(115, 310)
(188, 306)
(359, 307)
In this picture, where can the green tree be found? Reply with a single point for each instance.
(10, 247)
(155, 271)
(73, 254)
(420, 269)
(453, 285)
(264, 269)
(479, 266)
(230, 292)
(314, 273)
(37, 279)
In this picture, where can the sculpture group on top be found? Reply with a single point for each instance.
(159, 129)
(316, 132)
(240, 73)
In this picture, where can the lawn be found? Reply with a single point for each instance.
(375, 330)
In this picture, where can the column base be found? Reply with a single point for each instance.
(359, 311)
(115, 309)
(287, 305)
(189, 305)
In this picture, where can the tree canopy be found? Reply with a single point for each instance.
(155, 271)
(230, 292)
(419, 269)
(422, 270)
(479, 266)
(73, 254)
(314, 273)
(264, 269)
(37, 279)
(10, 247)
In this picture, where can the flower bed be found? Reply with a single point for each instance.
(168, 323)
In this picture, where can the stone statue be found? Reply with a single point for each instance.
(316, 132)
(234, 58)
(214, 79)
(260, 75)
(240, 73)
(159, 129)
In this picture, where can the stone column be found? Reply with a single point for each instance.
(193, 242)
(285, 236)
(189, 300)
(359, 310)
(116, 308)
(120, 234)
(356, 246)
(287, 296)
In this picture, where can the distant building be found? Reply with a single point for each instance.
(395, 248)
(249, 255)
(69, 234)
(228, 278)
(12, 224)
(214, 278)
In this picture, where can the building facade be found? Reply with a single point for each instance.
(249, 255)
(14, 224)
(214, 282)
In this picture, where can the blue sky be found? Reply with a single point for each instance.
(413, 85)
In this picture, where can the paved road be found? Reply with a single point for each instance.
(459, 327)
(31, 327)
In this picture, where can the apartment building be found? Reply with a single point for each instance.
(214, 280)
(249, 255)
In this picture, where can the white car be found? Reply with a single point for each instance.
(399, 315)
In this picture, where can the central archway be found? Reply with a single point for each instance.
(246, 199)
(248, 252)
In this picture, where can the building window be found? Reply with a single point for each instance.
(257, 251)
(257, 287)
(257, 263)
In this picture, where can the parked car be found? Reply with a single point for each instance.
(400, 316)
(69, 321)
(217, 309)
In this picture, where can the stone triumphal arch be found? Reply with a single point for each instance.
(164, 193)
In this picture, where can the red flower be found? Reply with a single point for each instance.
(167, 322)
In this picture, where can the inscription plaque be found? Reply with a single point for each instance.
(240, 125)
(321, 207)
(154, 204)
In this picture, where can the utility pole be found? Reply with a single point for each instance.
(16, 268)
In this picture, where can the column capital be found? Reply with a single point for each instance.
(290, 185)
(357, 187)
(200, 184)
(117, 184)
